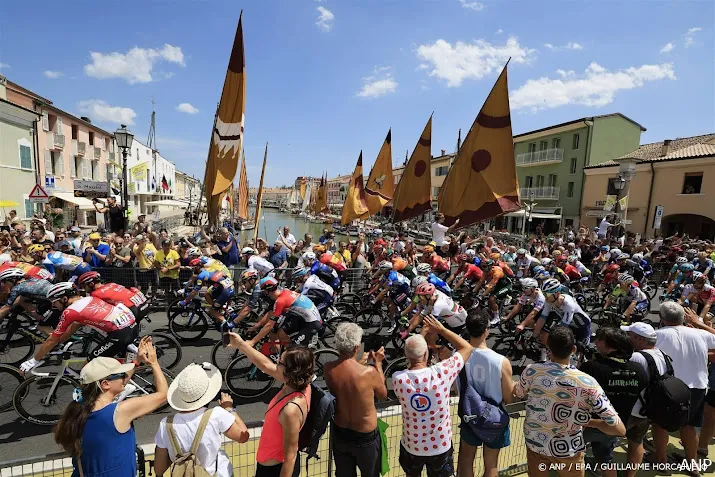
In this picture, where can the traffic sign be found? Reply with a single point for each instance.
(38, 194)
(658, 217)
(49, 182)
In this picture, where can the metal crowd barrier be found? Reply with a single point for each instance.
(512, 459)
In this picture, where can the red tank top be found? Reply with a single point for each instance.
(270, 445)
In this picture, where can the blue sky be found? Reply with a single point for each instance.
(326, 79)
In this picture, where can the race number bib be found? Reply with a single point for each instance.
(122, 320)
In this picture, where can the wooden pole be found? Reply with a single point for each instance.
(206, 171)
(259, 197)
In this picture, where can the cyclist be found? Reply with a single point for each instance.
(401, 265)
(30, 271)
(434, 302)
(249, 283)
(113, 293)
(582, 269)
(675, 269)
(59, 261)
(690, 254)
(533, 297)
(604, 255)
(393, 284)
(700, 294)
(497, 285)
(115, 321)
(256, 262)
(326, 273)
(703, 264)
(307, 259)
(554, 270)
(569, 270)
(21, 291)
(496, 257)
(565, 311)
(425, 270)
(524, 263)
(438, 265)
(468, 273)
(683, 277)
(320, 293)
(635, 297)
(220, 289)
(301, 322)
(610, 277)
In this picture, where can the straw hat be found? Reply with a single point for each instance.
(194, 387)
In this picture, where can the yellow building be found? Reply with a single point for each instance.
(673, 188)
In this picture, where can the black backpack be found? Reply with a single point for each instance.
(667, 398)
(322, 409)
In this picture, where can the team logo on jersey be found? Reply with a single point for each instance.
(420, 402)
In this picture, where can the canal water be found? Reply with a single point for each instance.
(272, 219)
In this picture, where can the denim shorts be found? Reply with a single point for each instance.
(602, 445)
(471, 439)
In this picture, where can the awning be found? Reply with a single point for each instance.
(535, 215)
(83, 203)
(167, 203)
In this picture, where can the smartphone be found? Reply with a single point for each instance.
(225, 338)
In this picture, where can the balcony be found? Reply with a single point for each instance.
(533, 193)
(81, 148)
(97, 153)
(536, 158)
(58, 140)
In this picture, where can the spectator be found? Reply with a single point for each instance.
(115, 211)
(344, 254)
(430, 446)
(489, 373)
(75, 238)
(323, 238)
(190, 393)
(286, 238)
(168, 263)
(439, 230)
(228, 247)
(559, 402)
(278, 446)
(38, 236)
(141, 226)
(120, 255)
(307, 243)
(65, 247)
(278, 255)
(59, 238)
(145, 254)
(622, 381)
(295, 254)
(96, 430)
(688, 348)
(356, 438)
(7, 222)
(330, 243)
(97, 251)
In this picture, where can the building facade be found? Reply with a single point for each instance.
(188, 187)
(550, 164)
(18, 155)
(338, 190)
(675, 178)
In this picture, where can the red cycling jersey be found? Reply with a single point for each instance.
(31, 271)
(572, 272)
(505, 268)
(472, 272)
(437, 263)
(96, 313)
(610, 278)
(113, 293)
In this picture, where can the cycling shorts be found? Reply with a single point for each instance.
(140, 312)
(220, 296)
(115, 343)
(501, 288)
(300, 332)
(320, 298)
(399, 297)
(582, 334)
(642, 306)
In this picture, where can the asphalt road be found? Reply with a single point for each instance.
(21, 440)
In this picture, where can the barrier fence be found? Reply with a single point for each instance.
(512, 459)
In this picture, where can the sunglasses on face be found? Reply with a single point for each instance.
(114, 377)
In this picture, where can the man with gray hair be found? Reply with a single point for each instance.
(688, 348)
(424, 395)
(356, 439)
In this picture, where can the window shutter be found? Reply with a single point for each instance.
(59, 125)
(73, 166)
(45, 121)
(85, 169)
(48, 163)
(62, 165)
(25, 157)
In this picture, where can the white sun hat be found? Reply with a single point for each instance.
(194, 387)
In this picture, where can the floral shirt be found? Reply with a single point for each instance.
(559, 401)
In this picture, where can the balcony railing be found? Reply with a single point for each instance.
(97, 152)
(528, 193)
(540, 157)
(81, 148)
(59, 140)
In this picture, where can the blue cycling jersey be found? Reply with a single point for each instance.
(61, 261)
(440, 284)
(213, 279)
(30, 288)
(701, 267)
(325, 273)
(397, 282)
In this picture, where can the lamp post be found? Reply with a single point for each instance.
(619, 184)
(124, 139)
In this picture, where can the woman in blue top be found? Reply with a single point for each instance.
(95, 430)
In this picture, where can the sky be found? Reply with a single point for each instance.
(327, 79)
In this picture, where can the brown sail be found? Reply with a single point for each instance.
(243, 190)
(380, 185)
(355, 206)
(413, 193)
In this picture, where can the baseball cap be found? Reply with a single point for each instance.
(64, 243)
(75, 229)
(95, 236)
(139, 237)
(166, 241)
(641, 329)
(101, 367)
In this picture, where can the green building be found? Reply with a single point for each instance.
(550, 162)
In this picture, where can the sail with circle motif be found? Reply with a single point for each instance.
(380, 184)
(413, 193)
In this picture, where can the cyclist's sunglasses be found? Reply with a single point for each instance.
(549, 294)
(113, 377)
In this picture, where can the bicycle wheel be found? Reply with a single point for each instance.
(651, 289)
(33, 402)
(346, 310)
(370, 319)
(10, 379)
(352, 299)
(327, 334)
(186, 324)
(245, 380)
(221, 356)
(323, 357)
(168, 349)
(400, 364)
(143, 379)
(20, 348)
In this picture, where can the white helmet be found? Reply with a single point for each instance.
(247, 251)
(423, 268)
(385, 265)
(418, 281)
(615, 252)
(11, 274)
(61, 290)
(470, 252)
(691, 251)
(529, 283)
(681, 260)
(308, 256)
(194, 252)
(546, 261)
(637, 256)
(625, 278)
(551, 285)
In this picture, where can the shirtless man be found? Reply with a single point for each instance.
(355, 386)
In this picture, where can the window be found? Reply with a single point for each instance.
(692, 183)
(552, 180)
(73, 166)
(441, 171)
(543, 145)
(611, 189)
(528, 181)
(25, 152)
(572, 168)
(569, 189)
(435, 191)
(532, 147)
(45, 121)
(54, 163)
(91, 138)
(575, 141)
(539, 181)
(556, 143)
(29, 208)
(93, 165)
(75, 131)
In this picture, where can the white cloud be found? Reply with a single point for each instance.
(4, 65)
(325, 19)
(187, 108)
(500, 31)
(53, 74)
(470, 60)
(472, 5)
(667, 48)
(597, 87)
(99, 110)
(690, 36)
(569, 46)
(378, 84)
(134, 66)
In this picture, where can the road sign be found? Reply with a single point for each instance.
(49, 182)
(91, 189)
(658, 217)
(38, 194)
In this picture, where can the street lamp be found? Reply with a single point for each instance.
(124, 139)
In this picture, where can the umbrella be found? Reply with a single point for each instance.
(8, 203)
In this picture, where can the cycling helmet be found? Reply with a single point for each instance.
(612, 268)
(691, 251)
(88, 278)
(488, 263)
(417, 281)
(687, 267)
(470, 252)
(605, 248)
(542, 275)
(423, 268)
(681, 260)
(425, 289)
(385, 265)
(546, 262)
(494, 256)
(623, 256)
(193, 252)
(573, 259)
(318, 248)
(551, 285)
(538, 269)
(561, 258)
(249, 274)
(204, 260)
(247, 251)
(625, 278)
(428, 249)
(298, 272)
(389, 252)
(630, 263)
(61, 290)
(477, 261)
(699, 276)
(529, 283)
(556, 253)
(615, 251)
(11, 274)
(638, 256)
(268, 284)
(521, 251)
(35, 248)
(462, 257)
(195, 262)
(309, 256)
